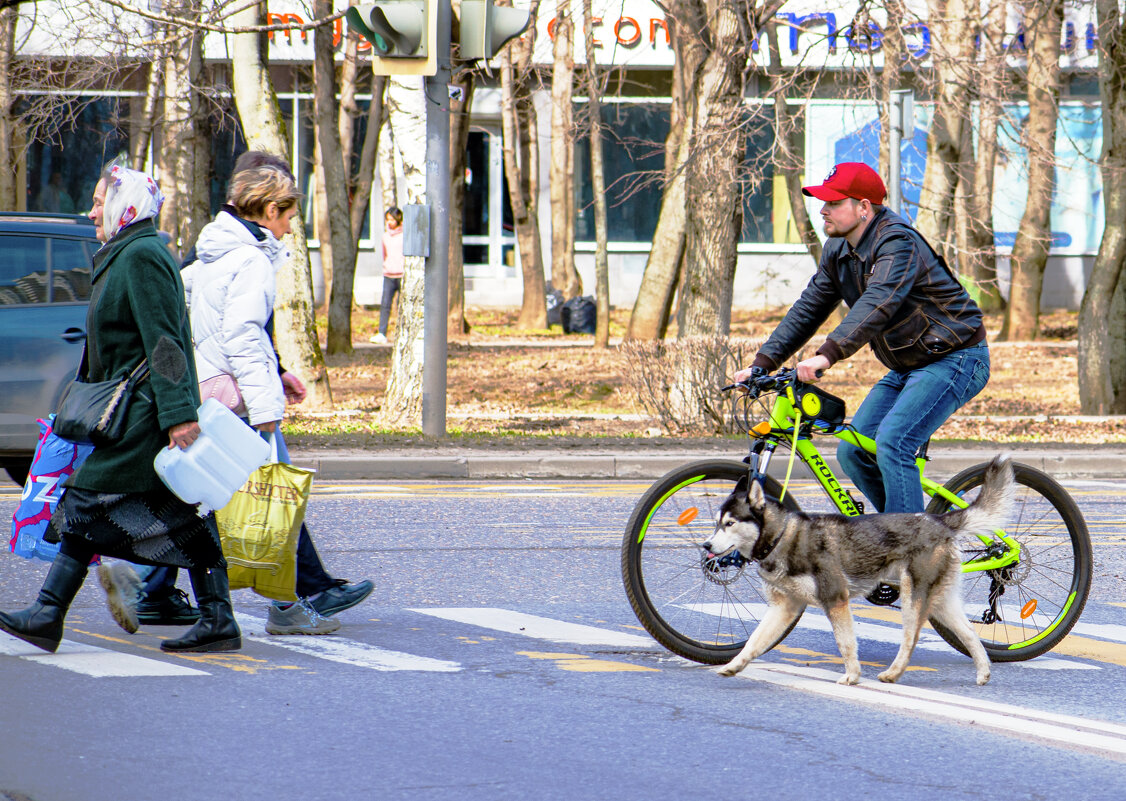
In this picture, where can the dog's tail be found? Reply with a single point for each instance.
(990, 510)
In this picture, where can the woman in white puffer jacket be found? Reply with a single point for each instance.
(231, 288)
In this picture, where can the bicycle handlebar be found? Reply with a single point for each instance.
(756, 386)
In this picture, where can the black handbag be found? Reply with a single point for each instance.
(95, 413)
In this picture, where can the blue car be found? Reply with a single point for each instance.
(44, 288)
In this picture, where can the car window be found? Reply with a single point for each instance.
(27, 262)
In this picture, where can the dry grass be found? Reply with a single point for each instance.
(505, 385)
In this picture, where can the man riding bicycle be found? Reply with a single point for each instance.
(906, 303)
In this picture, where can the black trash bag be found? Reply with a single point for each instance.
(554, 306)
(579, 316)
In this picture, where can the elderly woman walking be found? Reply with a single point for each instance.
(115, 504)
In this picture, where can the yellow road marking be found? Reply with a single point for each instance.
(829, 659)
(1113, 653)
(581, 663)
(237, 662)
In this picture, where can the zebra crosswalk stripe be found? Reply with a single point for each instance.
(339, 649)
(90, 660)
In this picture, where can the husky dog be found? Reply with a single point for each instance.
(828, 559)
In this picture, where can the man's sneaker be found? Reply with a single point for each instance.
(298, 618)
(341, 597)
(122, 584)
(378, 339)
(167, 609)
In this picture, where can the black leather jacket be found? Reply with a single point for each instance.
(903, 300)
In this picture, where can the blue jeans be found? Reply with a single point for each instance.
(901, 413)
(390, 289)
(312, 577)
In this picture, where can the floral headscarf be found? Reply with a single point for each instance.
(131, 196)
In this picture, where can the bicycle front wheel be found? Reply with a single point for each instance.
(702, 609)
(1038, 599)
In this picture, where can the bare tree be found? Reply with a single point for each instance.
(1102, 321)
(564, 276)
(653, 306)
(521, 164)
(1043, 23)
(714, 190)
(9, 121)
(264, 128)
(457, 328)
(597, 185)
(332, 167)
(185, 151)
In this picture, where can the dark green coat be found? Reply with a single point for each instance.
(137, 310)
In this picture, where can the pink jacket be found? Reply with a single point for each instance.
(393, 254)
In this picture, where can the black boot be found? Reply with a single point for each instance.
(216, 629)
(41, 624)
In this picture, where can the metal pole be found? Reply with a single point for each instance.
(895, 137)
(437, 275)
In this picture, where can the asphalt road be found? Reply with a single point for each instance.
(499, 659)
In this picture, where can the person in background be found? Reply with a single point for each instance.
(114, 504)
(392, 269)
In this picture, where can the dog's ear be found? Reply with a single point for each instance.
(756, 497)
(740, 487)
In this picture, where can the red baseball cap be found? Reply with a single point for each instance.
(849, 179)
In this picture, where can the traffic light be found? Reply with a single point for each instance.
(402, 35)
(485, 28)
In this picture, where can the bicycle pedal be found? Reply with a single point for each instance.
(883, 595)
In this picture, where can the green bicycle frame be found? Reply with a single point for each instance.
(786, 419)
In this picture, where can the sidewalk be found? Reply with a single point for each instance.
(439, 462)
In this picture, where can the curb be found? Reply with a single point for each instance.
(480, 466)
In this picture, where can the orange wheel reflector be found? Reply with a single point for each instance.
(687, 516)
(1027, 610)
(762, 429)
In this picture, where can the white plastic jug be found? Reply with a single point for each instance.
(220, 461)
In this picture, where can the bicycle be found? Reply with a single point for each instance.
(704, 607)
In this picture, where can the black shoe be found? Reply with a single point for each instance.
(167, 609)
(883, 595)
(341, 597)
(41, 624)
(216, 629)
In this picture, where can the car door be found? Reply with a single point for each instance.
(44, 288)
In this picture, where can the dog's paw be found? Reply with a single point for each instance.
(727, 670)
(983, 678)
(849, 678)
(888, 677)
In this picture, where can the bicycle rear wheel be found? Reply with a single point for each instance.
(1043, 594)
(699, 608)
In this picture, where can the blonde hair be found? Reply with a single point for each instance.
(251, 191)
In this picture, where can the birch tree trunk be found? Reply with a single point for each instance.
(1043, 22)
(653, 306)
(1102, 386)
(521, 164)
(457, 328)
(891, 78)
(9, 124)
(564, 276)
(332, 167)
(402, 404)
(262, 124)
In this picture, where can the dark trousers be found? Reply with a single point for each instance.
(311, 574)
(390, 289)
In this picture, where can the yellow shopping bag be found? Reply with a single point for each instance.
(259, 530)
